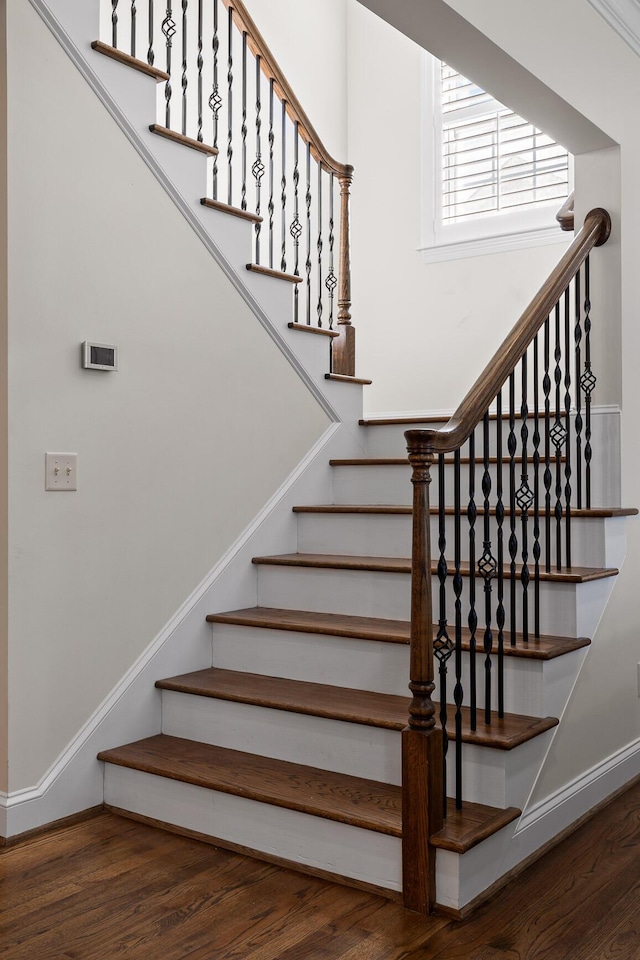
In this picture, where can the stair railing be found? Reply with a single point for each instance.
(225, 88)
(529, 415)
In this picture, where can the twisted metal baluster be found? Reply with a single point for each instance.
(536, 489)
(458, 693)
(169, 30)
(296, 227)
(308, 260)
(487, 568)
(258, 167)
(215, 100)
(134, 16)
(331, 281)
(230, 108)
(524, 500)
(150, 54)
(319, 246)
(200, 64)
(587, 382)
(185, 82)
(577, 336)
(473, 616)
(114, 23)
(567, 414)
(244, 128)
(500, 611)
(558, 433)
(546, 389)
(442, 645)
(283, 186)
(513, 539)
(271, 206)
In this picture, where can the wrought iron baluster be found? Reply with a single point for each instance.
(577, 336)
(524, 500)
(500, 611)
(558, 434)
(185, 82)
(513, 539)
(331, 281)
(473, 615)
(258, 167)
(272, 139)
(243, 127)
(567, 414)
(169, 31)
(114, 23)
(442, 645)
(319, 246)
(458, 693)
(536, 489)
(150, 52)
(230, 108)
(134, 18)
(546, 389)
(200, 64)
(487, 569)
(215, 100)
(296, 227)
(308, 260)
(587, 382)
(283, 188)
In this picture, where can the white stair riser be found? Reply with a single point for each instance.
(287, 834)
(496, 777)
(537, 688)
(460, 879)
(564, 607)
(593, 540)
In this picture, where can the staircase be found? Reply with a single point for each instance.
(290, 745)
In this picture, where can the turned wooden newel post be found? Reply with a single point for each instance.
(344, 346)
(422, 786)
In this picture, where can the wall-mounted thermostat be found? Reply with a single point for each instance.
(99, 356)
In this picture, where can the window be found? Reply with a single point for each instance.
(497, 181)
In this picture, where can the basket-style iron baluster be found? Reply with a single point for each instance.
(169, 31)
(150, 52)
(243, 126)
(134, 19)
(546, 389)
(331, 281)
(567, 414)
(500, 611)
(558, 435)
(442, 645)
(272, 138)
(258, 166)
(587, 382)
(473, 616)
(185, 82)
(524, 500)
(513, 539)
(200, 65)
(114, 23)
(215, 100)
(487, 569)
(308, 234)
(536, 489)
(230, 108)
(458, 692)
(296, 227)
(319, 246)
(283, 190)
(577, 335)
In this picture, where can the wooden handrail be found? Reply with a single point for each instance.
(283, 90)
(595, 232)
(565, 216)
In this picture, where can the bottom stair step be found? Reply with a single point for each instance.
(174, 781)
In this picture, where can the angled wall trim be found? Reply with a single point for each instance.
(623, 16)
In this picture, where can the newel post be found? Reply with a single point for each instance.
(343, 348)
(422, 778)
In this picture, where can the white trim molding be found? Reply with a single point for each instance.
(623, 16)
(482, 246)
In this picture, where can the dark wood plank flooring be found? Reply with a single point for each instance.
(108, 888)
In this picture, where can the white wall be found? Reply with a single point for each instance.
(177, 452)
(4, 647)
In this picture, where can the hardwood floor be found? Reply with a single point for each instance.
(109, 887)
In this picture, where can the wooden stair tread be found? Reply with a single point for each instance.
(333, 796)
(308, 328)
(403, 509)
(343, 378)
(141, 65)
(444, 418)
(390, 631)
(182, 140)
(404, 461)
(233, 211)
(276, 274)
(351, 706)
(403, 565)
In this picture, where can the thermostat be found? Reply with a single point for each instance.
(99, 356)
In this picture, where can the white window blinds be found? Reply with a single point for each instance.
(492, 159)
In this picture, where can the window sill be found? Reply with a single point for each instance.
(503, 243)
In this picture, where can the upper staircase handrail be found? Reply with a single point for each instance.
(272, 71)
(565, 215)
(595, 232)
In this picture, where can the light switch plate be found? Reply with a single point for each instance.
(61, 471)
